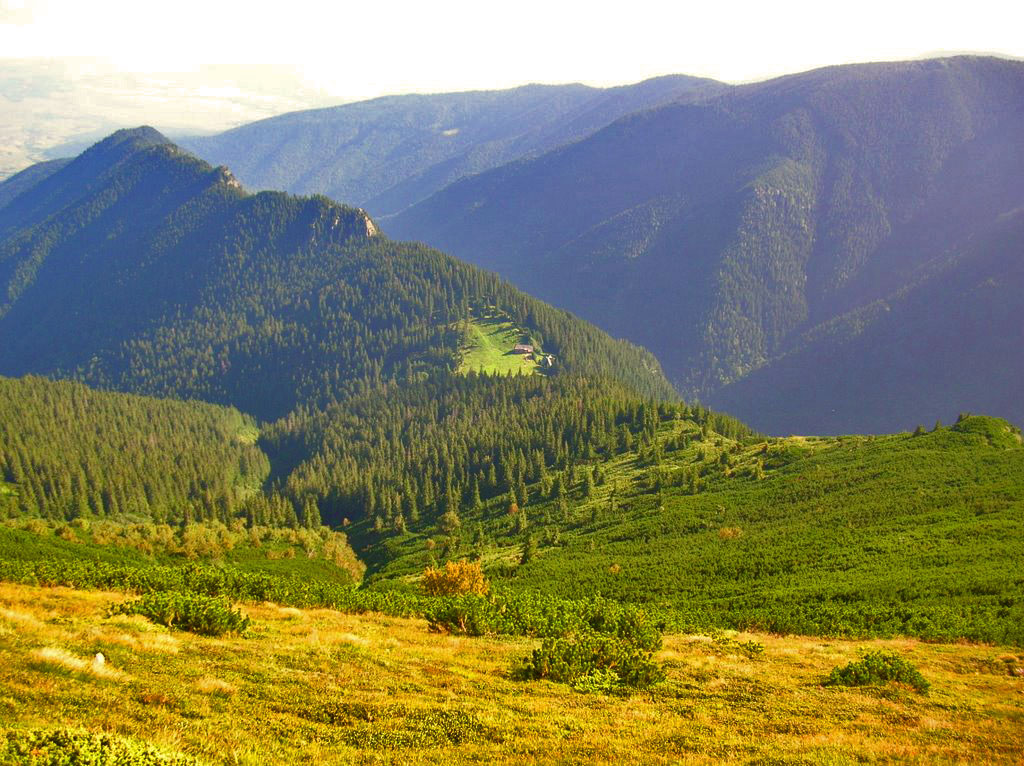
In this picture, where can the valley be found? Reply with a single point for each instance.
(276, 486)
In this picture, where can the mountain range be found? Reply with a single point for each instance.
(141, 268)
(265, 434)
(137, 267)
(775, 244)
(775, 232)
(387, 153)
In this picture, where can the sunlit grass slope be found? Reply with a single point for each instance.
(317, 686)
(487, 346)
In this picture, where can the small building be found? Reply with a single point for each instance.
(522, 348)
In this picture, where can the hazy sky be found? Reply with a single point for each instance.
(72, 71)
(356, 50)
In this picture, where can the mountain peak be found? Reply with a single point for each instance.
(139, 137)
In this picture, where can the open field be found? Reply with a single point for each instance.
(488, 344)
(320, 686)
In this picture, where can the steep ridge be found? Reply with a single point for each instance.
(19, 182)
(951, 338)
(719, 233)
(388, 153)
(141, 268)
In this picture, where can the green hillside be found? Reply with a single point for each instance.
(347, 346)
(488, 347)
(67, 451)
(298, 313)
(856, 535)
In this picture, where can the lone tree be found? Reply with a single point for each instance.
(449, 522)
(529, 549)
(455, 578)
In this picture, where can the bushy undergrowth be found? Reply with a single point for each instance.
(594, 663)
(199, 541)
(528, 614)
(389, 727)
(209, 580)
(878, 668)
(64, 747)
(205, 615)
(516, 614)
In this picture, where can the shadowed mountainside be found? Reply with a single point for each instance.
(387, 153)
(724, 235)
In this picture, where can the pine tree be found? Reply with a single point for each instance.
(529, 550)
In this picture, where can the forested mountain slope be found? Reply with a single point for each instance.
(388, 153)
(726, 234)
(915, 534)
(141, 268)
(67, 451)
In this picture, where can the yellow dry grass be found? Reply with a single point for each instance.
(317, 686)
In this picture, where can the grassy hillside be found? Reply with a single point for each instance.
(322, 686)
(723, 234)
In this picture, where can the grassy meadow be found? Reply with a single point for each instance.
(487, 347)
(321, 686)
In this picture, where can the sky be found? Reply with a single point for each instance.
(72, 70)
(359, 50)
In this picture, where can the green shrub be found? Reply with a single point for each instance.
(389, 727)
(878, 668)
(205, 615)
(530, 614)
(63, 747)
(752, 650)
(586, 661)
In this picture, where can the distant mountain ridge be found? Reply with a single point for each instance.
(723, 234)
(387, 153)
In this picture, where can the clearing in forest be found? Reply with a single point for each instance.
(488, 344)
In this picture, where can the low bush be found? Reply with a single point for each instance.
(511, 614)
(587, 660)
(205, 615)
(752, 650)
(878, 668)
